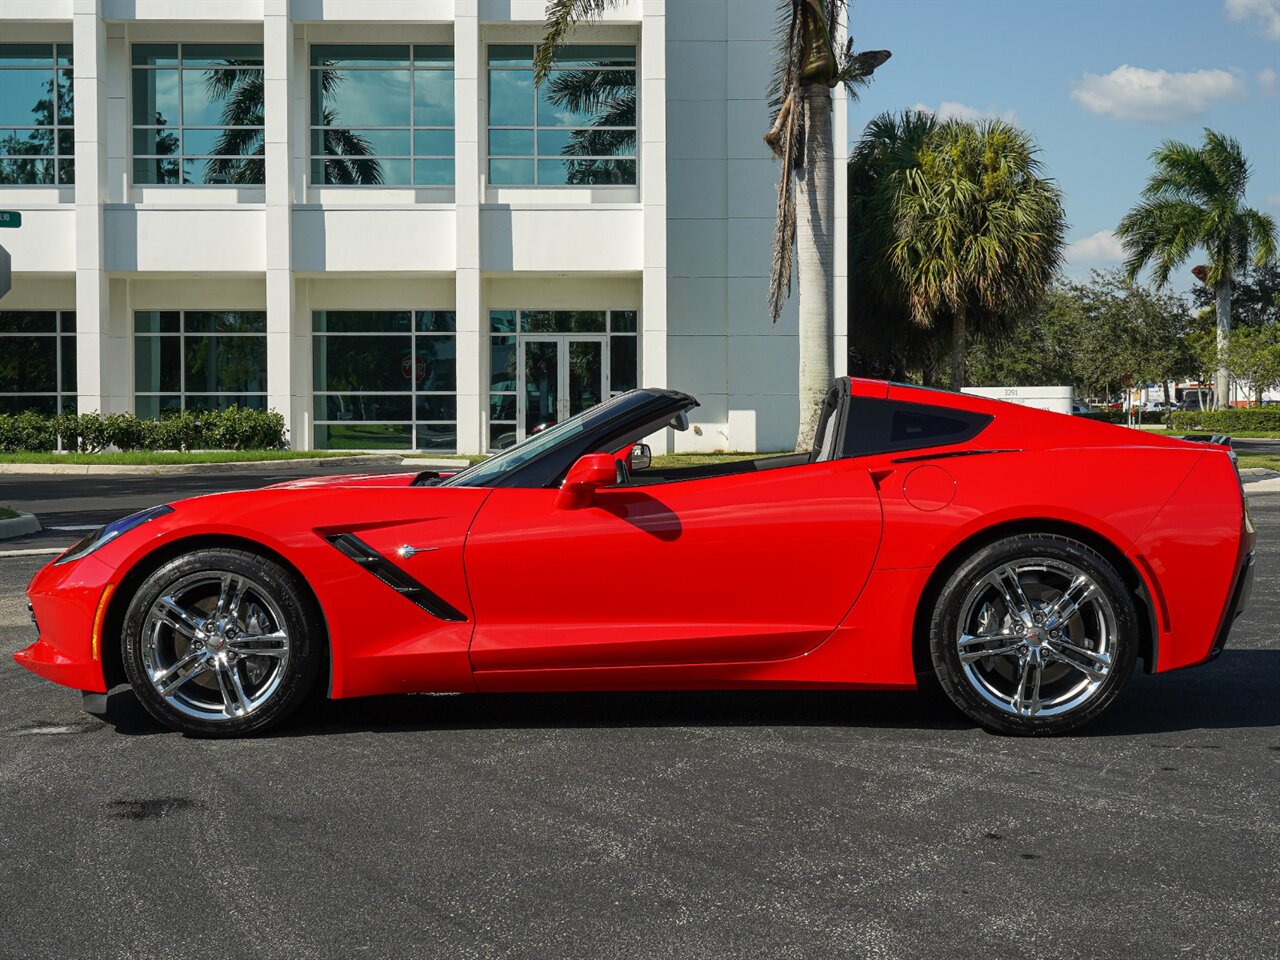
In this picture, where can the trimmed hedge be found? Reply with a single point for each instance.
(232, 429)
(1105, 416)
(1228, 421)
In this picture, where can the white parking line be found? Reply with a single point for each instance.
(79, 529)
(33, 552)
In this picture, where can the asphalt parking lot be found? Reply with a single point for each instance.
(756, 825)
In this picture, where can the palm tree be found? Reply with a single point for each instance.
(1195, 200)
(884, 341)
(806, 68)
(979, 233)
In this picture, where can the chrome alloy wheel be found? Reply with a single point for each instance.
(1037, 637)
(214, 645)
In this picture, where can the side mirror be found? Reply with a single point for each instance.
(641, 457)
(585, 477)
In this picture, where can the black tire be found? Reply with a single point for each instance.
(1086, 659)
(258, 658)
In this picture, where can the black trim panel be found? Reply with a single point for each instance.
(399, 581)
(951, 453)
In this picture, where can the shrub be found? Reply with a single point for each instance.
(232, 429)
(27, 431)
(1106, 416)
(1229, 421)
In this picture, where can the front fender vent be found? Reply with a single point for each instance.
(394, 577)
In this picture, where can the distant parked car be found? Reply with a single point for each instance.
(1078, 407)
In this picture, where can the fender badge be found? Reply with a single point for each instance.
(407, 552)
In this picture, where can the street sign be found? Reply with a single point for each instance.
(10, 218)
(6, 271)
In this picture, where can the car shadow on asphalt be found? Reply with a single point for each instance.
(1237, 691)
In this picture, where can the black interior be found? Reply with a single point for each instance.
(672, 474)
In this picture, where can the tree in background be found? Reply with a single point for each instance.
(806, 68)
(1193, 200)
(1253, 357)
(979, 233)
(1101, 336)
(1042, 348)
(1255, 296)
(884, 340)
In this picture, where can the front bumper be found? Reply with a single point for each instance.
(64, 601)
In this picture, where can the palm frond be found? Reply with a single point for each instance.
(594, 92)
(562, 15)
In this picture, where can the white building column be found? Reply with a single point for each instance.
(469, 111)
(287, 381)
(653, 196)
(93, 322)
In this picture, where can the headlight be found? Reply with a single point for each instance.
(104, 535)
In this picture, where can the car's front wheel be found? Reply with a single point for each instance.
(221, 642)
(1034, 634)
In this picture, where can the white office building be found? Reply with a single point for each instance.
(363, 214)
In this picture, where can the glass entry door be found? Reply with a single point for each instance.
(560, 376)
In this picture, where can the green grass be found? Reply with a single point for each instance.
(159, 458)
(7, 514)
(695, 459)
(1263, 460)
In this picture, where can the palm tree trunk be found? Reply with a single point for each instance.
(1222, 384)
(957, 351)
(815, 260)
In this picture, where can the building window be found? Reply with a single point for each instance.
(385, 380)
(382, 115)
(578, 128)
(197, 113)
(548, 365)
(37, 361)
(37, 119)
(189, 360)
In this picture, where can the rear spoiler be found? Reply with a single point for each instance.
(1219, 438)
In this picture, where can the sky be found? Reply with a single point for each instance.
(1098, 83)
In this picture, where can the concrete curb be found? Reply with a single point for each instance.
(19, 526)
(1269, 484)
(240, 466)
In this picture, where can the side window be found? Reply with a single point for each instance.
(885, 426)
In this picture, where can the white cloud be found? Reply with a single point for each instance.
(1263, 14)
(955, 110)
(1101, 247)
(1133, 93)
(1268, 82)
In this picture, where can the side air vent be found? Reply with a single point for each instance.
(394, 577)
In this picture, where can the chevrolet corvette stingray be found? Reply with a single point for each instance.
(1024, 559)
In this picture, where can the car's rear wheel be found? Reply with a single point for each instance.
(221, 642)
(1034, 634)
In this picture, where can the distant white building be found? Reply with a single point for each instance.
(361, 213)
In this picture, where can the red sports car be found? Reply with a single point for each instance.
(1006, 551)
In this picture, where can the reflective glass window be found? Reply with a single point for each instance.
(577, 129)
(385, 379)
(37, 361)
(382, 115)
(536, 357)
(197, 113)
(37, 114)
(199, 360)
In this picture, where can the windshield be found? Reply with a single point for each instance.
(487, 472)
